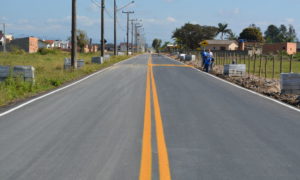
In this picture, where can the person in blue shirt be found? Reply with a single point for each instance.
(203, 56)
(208, 61)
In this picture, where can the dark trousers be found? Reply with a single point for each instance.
(206, 67)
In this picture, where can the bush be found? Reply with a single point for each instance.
(45, 51)
(17, 50)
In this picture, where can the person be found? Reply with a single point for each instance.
(203, 56)
(212, 58)
(207, 63)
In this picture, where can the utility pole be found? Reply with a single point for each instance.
(4, 38)
(128, 13)
(116, 10)
(132, 32)
(102, 27)
(115, 28)
(74, 38)
(136, 35)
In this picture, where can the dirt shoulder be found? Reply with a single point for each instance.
(268, 87)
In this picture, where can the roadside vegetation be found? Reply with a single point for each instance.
(49, 72)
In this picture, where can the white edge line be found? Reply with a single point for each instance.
(248, 90)
(62, 88)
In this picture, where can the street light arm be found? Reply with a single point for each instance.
(119, 9)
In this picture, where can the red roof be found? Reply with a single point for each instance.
(49, 41)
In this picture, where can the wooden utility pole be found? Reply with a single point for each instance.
(127, 34)
(115, 28)
(74, 38)
(102, 28)
(4, 38)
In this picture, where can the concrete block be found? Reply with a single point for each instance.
(182, 57)
(80, 63)
(121, 54)
(190, 57)
(97, 60)
(106, 57)
(290, 83)
(26, 72)
(67, 63)
(4, 72)
(235, 70)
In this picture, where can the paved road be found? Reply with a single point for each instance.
(197, 128)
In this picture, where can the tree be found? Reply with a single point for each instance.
(156, 44)
(254, 26)
(82, 40)
(232, 36)
(291, 35)
(190, 35)
(272, 34)
(165, 45)
(276, 34)
(223, 29)
(251, 34)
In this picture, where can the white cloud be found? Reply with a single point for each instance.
(289, 20)
(171, 19)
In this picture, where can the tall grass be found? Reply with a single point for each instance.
(49, 73)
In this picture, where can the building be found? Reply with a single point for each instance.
(91, 48)
(50, 43)
(123, 47)
(288, 47)
(298, 46)
(251, 48)
(42, 44)
(28, 44)
(222, 45)
(109, 47)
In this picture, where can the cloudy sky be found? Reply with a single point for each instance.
(51, 19)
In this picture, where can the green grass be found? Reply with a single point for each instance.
(49, 73)
(269, 72)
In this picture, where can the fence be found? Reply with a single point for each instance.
(267, 66)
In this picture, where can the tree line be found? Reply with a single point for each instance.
(190, 35)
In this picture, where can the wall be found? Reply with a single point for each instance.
(289, 48)
(29, 44)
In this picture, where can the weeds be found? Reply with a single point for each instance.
(49, 73)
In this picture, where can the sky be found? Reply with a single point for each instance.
(52, 19)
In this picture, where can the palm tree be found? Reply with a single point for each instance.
(223, 29)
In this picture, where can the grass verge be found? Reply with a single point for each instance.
(49, 73)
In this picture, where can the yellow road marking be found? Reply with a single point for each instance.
(170, 65)
(163, 159)
(146, 160)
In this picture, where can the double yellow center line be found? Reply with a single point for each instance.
(146, 159)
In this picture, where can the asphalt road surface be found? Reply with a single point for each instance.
(151, 119)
